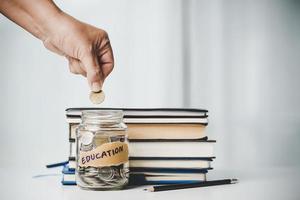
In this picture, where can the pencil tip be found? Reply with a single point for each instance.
(150, 189)
(234, 180)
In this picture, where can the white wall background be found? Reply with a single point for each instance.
(244, 67)
(239, 59)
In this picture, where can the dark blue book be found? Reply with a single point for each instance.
(162, 171)
(151, 177)
(68, 176)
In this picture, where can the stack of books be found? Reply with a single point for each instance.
(165, 145)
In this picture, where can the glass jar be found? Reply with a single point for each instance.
(102, 150)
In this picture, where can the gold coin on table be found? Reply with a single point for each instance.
(97, 97)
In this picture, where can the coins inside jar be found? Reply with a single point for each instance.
(106, 176)
(99, 140)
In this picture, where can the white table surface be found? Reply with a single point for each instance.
(276, 183)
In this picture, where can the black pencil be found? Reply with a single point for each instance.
(57, 164)
(191, 185)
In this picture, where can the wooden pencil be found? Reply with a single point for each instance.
(191, 185)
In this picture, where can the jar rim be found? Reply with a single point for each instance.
(102, 116)
(103, 113)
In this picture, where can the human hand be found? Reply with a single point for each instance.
(87, 48)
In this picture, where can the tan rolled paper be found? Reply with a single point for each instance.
(108, 154)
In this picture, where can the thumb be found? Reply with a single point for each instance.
(93, 72)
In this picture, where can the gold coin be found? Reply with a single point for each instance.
(97, 97)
